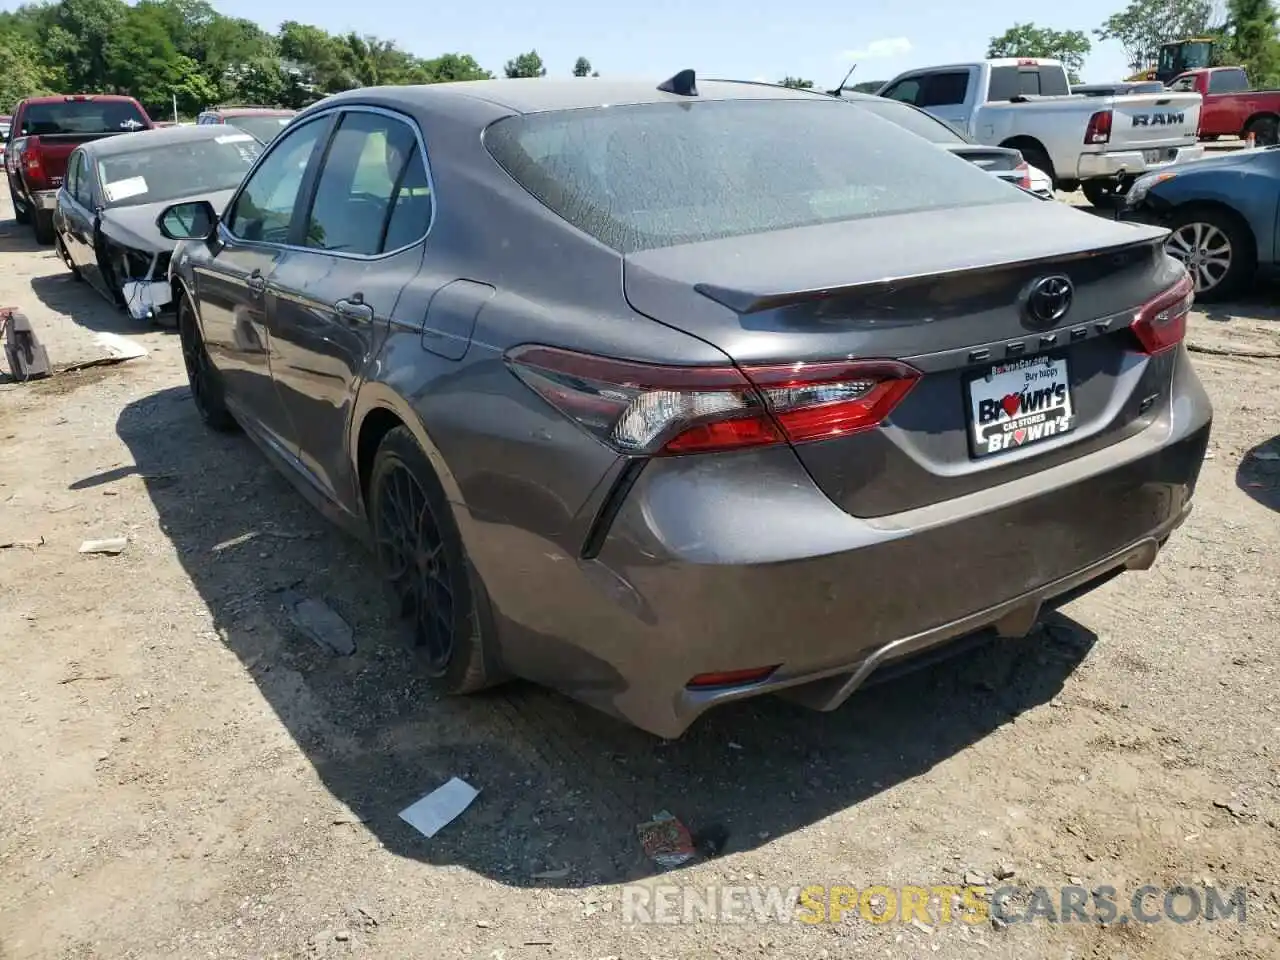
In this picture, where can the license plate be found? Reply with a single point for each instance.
(1157, 156)
(1014, 405)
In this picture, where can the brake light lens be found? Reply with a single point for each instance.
(1099, 128)
(1023, 170)
(643, 409)
(1161, 323)
(32, 160)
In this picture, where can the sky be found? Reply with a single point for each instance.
(817, 40)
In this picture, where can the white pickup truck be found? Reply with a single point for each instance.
(1078, 140)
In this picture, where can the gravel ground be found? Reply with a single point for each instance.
(187, 776)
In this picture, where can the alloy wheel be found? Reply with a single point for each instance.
(411, 548)
(1205, 250)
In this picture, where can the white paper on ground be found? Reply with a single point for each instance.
(440, 807)
(118, 346)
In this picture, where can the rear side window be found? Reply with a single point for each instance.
(1228, 81)
(1010, 82)
(654, 175)
(75, 117)
(943, 89)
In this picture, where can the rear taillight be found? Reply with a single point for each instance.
(32, 160)
(1161, 323)
(1023, 170)
(1099, 128)
(646, 409)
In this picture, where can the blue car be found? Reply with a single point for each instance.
(1223, 213)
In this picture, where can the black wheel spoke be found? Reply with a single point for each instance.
(414, 560)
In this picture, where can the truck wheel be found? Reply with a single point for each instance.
(42, 221)
(1264, 130)
(1101, 193)
(20, 213)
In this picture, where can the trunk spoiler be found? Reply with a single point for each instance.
(743, 301)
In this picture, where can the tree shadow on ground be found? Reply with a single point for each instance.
(563, 787)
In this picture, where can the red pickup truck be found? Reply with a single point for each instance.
(44, 132)
(1230, 108)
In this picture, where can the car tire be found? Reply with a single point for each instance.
(42, 224)
(1103, 194)
(421, 554)
(20, 213)
(205, 381)
(1205, 229)
(1265, 130)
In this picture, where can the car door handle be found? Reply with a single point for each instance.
(355, 309)
(257, 282)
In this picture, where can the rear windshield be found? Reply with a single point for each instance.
(655, 175)
(1038, 81)
(909, 118)
(264, 128)
(174, 170)
(81, 117)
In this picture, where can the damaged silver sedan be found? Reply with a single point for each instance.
(115, 188)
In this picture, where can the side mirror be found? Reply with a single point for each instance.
(193, 220)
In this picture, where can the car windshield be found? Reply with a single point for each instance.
(917, 121)
(169, 171)
(79, 117)
(654, 175)
(264, 128)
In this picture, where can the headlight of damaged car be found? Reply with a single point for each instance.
(1142, 186)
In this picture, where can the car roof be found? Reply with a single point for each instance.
(145, 139)
(81, 97)
(541, 94)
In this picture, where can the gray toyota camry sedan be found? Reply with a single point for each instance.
(669, 394)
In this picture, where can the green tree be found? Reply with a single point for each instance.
(455, 66)
(868, 86)
(1251, 37)
(1028, 40)
(20, 73)
(582, 67)
(796, 83)
(1144, 25)
(525, 65)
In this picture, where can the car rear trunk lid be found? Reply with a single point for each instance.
(946, 293)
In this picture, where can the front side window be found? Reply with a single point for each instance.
(263, 211)
(160, 172)
(372, 195)
(655, 175)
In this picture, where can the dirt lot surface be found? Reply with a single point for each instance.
(183, 775)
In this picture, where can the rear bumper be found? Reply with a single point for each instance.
(710, 567)
(1098, 166)
(44, 200)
